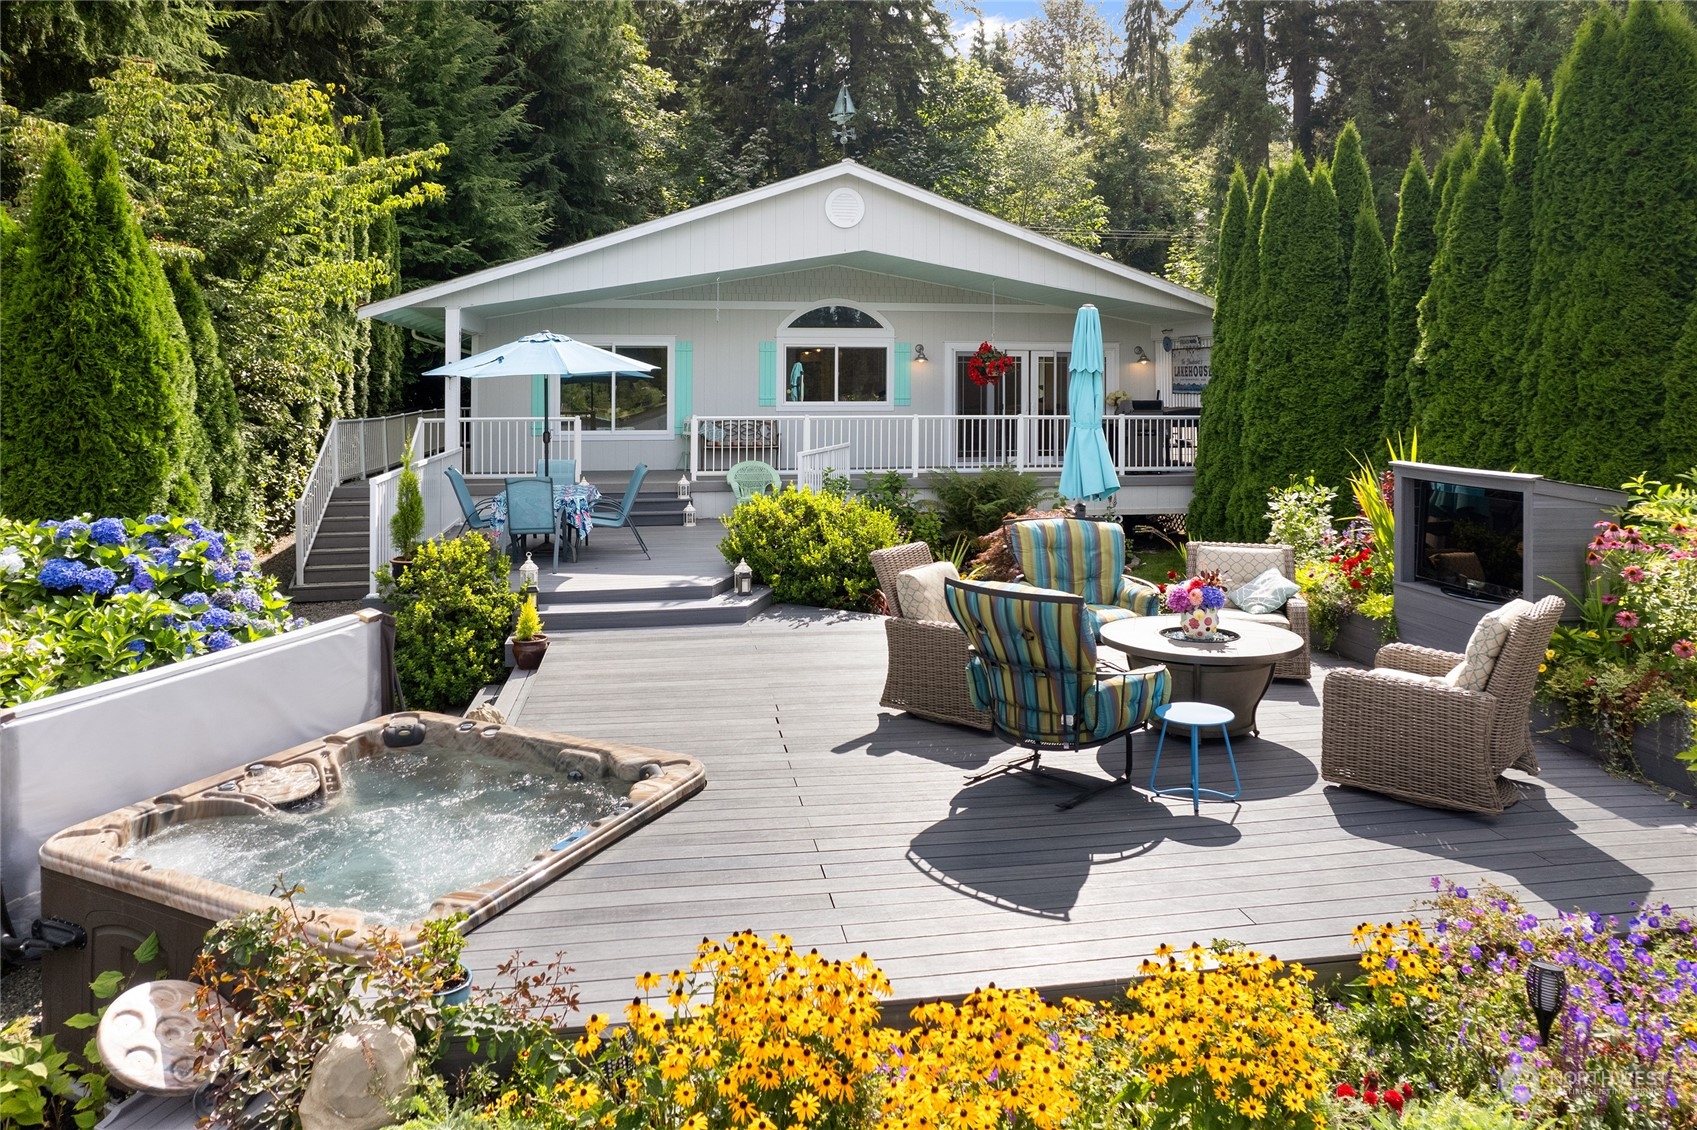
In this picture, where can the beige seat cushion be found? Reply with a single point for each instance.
(1276, 619)
(919, 591)
(1473, 673)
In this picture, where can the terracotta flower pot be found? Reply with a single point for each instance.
(527, 654)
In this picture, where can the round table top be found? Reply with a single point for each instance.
(147, 1038)
(1256, 642)
(1195, 714)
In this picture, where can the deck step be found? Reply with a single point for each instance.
(312, 593)
(723, 608)
(339, 538)
(339, 575)
(322, 554)
(625, 590)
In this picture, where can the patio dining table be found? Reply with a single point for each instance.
(572, 504)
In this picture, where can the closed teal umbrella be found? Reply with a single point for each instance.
(1087, 472)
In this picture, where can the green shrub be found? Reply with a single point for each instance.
(973, 504)
(811, 548)
(407, 522)
(918, 519)
(451, 621)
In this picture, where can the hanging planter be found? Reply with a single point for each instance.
(988, 365)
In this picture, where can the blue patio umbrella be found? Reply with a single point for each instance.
(1087, 472)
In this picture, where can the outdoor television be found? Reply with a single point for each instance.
(1471, 539)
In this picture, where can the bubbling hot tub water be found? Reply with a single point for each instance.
(404, 829)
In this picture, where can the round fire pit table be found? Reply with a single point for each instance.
(1233, 673)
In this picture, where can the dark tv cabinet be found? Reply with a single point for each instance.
(1559, 521)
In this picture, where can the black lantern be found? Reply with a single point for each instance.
(1546, 992)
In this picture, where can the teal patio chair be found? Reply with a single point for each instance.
(1033, 667)
(530, 511)
(1086, 559)
(478, 515)
(560, 470)
(614, 518)
(753, 477)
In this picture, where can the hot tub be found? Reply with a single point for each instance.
(388, 823)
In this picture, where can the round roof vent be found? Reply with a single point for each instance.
(845, 207)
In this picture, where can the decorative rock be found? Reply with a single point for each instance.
(147, 1038)
(487, 713)
(358, 1077)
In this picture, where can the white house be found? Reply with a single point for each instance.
(823, 321)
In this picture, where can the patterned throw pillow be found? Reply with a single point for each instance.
(920, 591)
(1266, 593)
(1483, 647)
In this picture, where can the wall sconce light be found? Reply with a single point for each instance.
(919, 353)
(1546, 992)
(1142, 358)
(689, 514)
(528, 575)
(742, 578)
(683, 487)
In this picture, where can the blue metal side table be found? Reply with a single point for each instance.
(1195, 715)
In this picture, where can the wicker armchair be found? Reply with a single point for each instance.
(927, 666)
(1241, 562)
(1399, 729)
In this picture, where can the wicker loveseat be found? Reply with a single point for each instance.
(1238, 563)
(927, 664)
(1400, 729)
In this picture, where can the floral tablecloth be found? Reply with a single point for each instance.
(572, 503)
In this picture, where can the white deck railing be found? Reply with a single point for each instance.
(812, 465)
(502, 446)
(915, 445)
(352, 449)
(441, 508)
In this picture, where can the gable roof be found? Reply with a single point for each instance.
(906, 231)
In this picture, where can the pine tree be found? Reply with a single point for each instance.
(1248, 284)
(387, 357)
(229, 504)
(1457, 353)
(1615, 306)
(1361, 353)
(1505, 105)
(1412, 249)
(1447, 180)
(1679, 415)
(1216, 453)
(1504, 409)
(1353, 182)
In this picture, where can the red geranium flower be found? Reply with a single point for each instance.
(1371, 1098)
(1345, 1091)
(1393, 1099)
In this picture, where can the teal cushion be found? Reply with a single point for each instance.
(1266, 593)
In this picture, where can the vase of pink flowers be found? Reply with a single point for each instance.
(1198, 602)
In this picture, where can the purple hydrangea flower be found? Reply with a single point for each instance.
(194, 527)
(149, 541)
(136, 646)
(156, 519)
(192, 626)
(99, 581)
(164, 555)
(223, 598)
(1213, 596)
(60, 573)
(248, 601)
(143, 580)
(123, 590)
(217, 618)
(218, 641)
(108, 531)
(71, 529)
(296, 623)
(244, 562)
(194, 600)
(222, 572)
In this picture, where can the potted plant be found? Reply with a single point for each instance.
(530, 643)
(1117, 401)
(441, 944)
(406, 526)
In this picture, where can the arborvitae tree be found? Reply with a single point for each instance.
(1411, 270)
(1447, 180)
(1679, 415)
(1457, 353)
(1614, 315)
(1353, 183)
(1361, 353)
(1216, 452)
(1505, 105)
(1248, 286)
(1505, 293)
(1292, 400)
(229, 504)
(387, 355)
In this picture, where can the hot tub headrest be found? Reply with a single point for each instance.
(404, 730)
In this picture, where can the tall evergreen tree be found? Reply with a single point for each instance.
(1457, 356)
(1230, 59)
(228, 504)
(1248, 286)
(1505, 293)
(1361, 353)
(1679, 414)
(1292, 396)
(1447, 180)
(1353, 183)
(1412, 249)
(1505, 105)
(1619, 283)
(1216, 452)
(386, 360)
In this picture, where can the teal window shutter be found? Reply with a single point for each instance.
(904, 374)
(768, 374)
(683, 385)
(538, 403)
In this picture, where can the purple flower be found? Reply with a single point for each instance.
(244, 562)
(218, 641)
(194, 600)
(296, 623)
(156, 519)
(60, 573)
(223, 598)
(194, 527)
(143, 580)
(108, 531)
(222, 572)
(99, 581)
(1213, 596)
(192, 626)
(70, 529)
(218, 618)
(248, 601)
(123, 590)
(136, 646)
(1461, 892)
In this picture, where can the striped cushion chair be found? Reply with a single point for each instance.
(1033, 667)
(1086, 559)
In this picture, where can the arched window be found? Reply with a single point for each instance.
(835, 318)
(835, 353)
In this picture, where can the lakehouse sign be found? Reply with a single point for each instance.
(1190, 364)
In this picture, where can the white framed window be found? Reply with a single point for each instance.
(835, 354)
(620, 403)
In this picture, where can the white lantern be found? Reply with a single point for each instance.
(528, 575)
(683, 486)
(742, 578)
(689, 514)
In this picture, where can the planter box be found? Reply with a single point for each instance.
(1358, 639)
(1655, 747)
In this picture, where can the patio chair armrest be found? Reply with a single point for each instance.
(485, 506)
(1420, 660)
(1424, 742)
(1138, 595)
(1296, 611)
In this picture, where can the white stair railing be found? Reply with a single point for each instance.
(812, 465)
(441, 508)
(352, 449)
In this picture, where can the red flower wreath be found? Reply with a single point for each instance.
(988, 365)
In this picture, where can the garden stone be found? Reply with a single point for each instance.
(487, 712)
(358, 1077)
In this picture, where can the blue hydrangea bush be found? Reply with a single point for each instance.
(83, 601)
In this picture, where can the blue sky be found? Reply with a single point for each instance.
(1001, 13)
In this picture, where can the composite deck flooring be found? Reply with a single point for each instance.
(849, 827)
